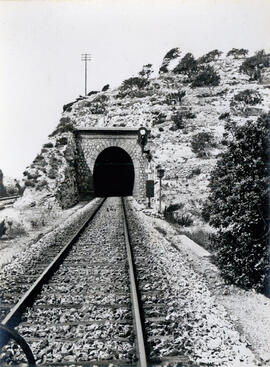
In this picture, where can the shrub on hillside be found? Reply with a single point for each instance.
(101, 98)
(136, 93)
(178, 120)
(89, 94)
(39, 157)
(29, 183)
(131, 86)
(97, 106)
(42, 184)
(169, 210)
(187, 66)
(173, 98)
(146, 71)
(163, 69)
(52, 174)
(65, 125)
(189, 115)
(184, 220)
(202, 143)
(238, 204)
(172, 216)
(54, 163)
(195, 172)
(61, 141)
(159, 118)
(170, 55)
(237, 53)
(206, 77)
(224, 116)
(134, 83)
(68, 107)
(48, 145)
(210, 56)
(253, 65)
(248, 96)
(33, 176)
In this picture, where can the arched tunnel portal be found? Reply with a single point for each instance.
(113, 173)
(108, 159)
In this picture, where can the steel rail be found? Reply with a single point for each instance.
(134, 294)
(12, 319)
(9, 198)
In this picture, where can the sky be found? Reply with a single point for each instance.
(41, 43)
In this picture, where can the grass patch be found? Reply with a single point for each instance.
(201, 237)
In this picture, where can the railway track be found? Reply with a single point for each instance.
(101, 301)
(7, 198)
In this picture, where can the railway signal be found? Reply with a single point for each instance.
(149, 191)
(143, 134)
(85, 57)
(160, 174)
(143, 137)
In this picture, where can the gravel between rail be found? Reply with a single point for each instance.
(181, 315)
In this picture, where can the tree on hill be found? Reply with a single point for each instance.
(170, 55)
(134, 83)
(253, 65)
(239, 205)
(210, 56)
(105, 88)
(207, 76)
(187, 66)
(237, 53)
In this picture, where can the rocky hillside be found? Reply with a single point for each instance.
(186, 107)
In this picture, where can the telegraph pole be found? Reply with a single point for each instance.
(85, 57)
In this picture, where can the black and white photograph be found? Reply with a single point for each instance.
(134, 183)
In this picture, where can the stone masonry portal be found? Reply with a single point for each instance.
(91, 142)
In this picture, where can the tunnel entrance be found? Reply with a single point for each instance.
(113, 173)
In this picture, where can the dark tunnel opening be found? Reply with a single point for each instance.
(113, 173)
